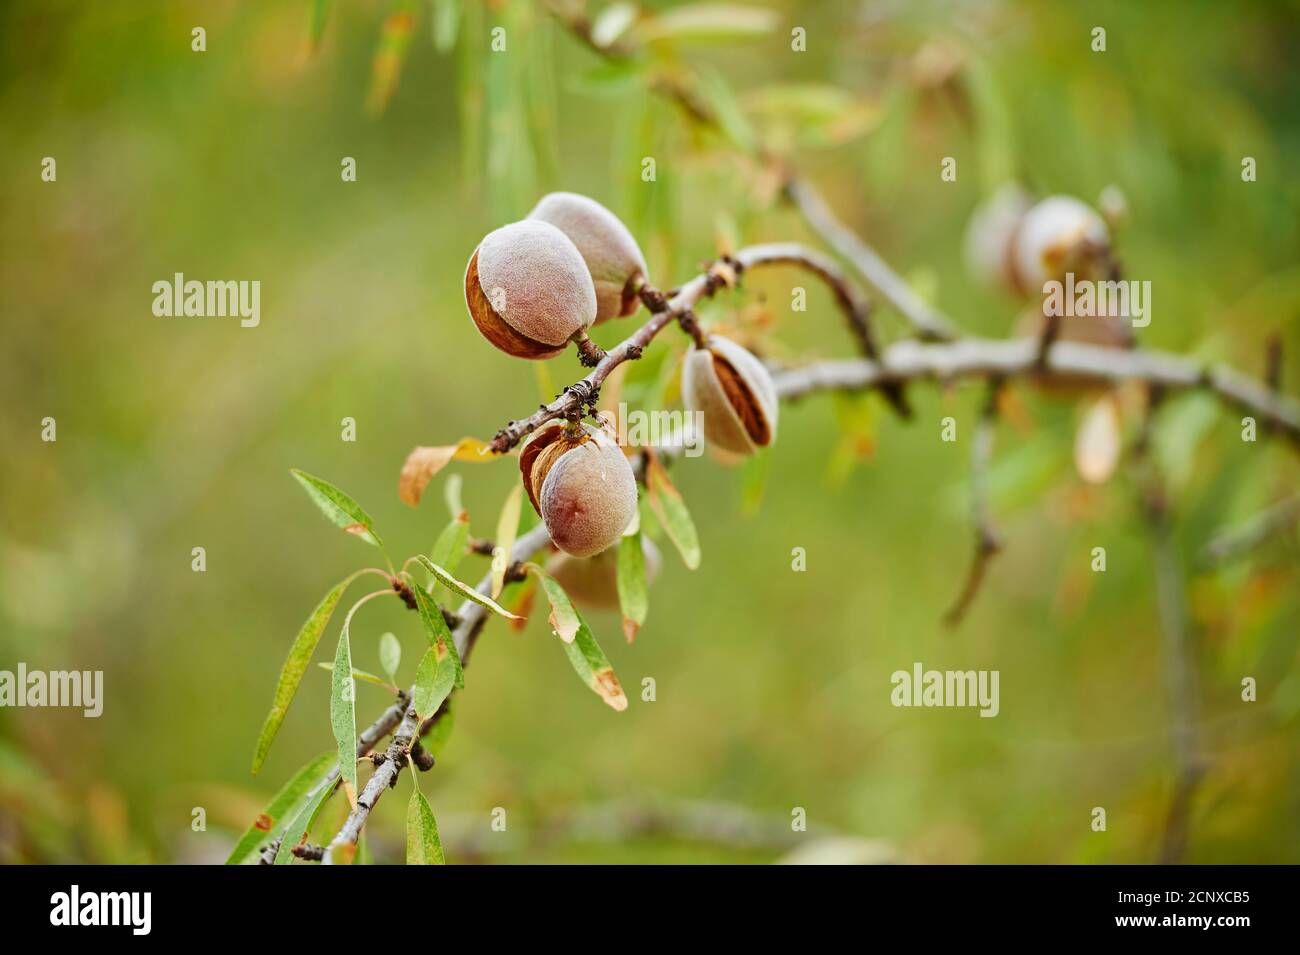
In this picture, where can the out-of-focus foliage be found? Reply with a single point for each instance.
(771, 686)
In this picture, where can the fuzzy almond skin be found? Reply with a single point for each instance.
(528, 289)
(990, 234)
(705, 378)
(611, 253)
(1058, 235)
(593, 582)
(588, 497)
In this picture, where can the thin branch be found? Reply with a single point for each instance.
(910, 360)
(987, 540)
(583, 394)
(472, 617)
(367, 740)
(1180, 667)
(926, 320)
(1235, 542)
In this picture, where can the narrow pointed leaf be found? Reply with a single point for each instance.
(633, 598)
(435, 741)
(446, 21)
(422, 844)
(563, 619)
(463, 589)
(507, 529)
(363, 675)
(316, 25)
(343, 714)
(449, 548)
(591, 664)
(435, 678)
(295, 665)
(436, 630)
(336, 505)
(390, 655)
(668, 507)
(301, 824)
(281, 809)
(451, 495)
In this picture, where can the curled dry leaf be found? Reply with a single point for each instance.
(424, 462)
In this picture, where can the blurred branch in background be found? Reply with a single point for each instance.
(691, 821)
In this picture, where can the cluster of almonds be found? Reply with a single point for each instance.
(1018, 245)
(534, 286)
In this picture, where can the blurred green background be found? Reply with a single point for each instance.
(773, 686)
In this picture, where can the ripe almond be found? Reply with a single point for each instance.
(528, 290)
(581, 484)
(611, 253)
(735, 394)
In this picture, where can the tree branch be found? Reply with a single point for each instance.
(1074, 362)
(1180, 666)
(1274, 519)
(583, 394)
(472, 617)
(987, 540)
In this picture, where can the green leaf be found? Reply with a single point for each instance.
(435, 741)
(670, 510)
(363, 675)
(435, 678)
(422, 844)
(446, 21)
(341, 510)
(390, 655)
(731, 116)
(451, 494)
(281, 809)
(633, 597)
(753, 482)
(701, 22)
(464, 589)
(435, 629)
(449, 548)
(591, 664)
(386, 70)
(316, 25)
(302, 822)
(563, 619)
(343, 714)
(507, 529)
(295, 665)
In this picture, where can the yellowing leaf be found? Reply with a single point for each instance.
(563, 619)
(633, 597)
(591, 664)
(424, 462)
(507, 529)
(464, 589)
(668, 507)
